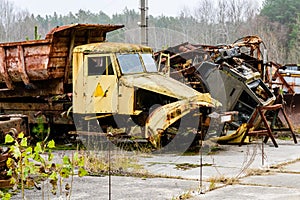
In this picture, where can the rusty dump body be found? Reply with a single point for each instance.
(36, 75)
(45, 60)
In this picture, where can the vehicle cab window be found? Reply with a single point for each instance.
(136, 63)
(130, 63)
(100, 65)
(149, 63)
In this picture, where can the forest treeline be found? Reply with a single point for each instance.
(212, 22)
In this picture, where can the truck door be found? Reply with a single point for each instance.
(101, 84)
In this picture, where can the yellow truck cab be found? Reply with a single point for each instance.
(120, 83)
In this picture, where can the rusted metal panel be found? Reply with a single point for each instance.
(292, 108)
(94, 28)
(35, 50)
(21, 66)
(3, 70)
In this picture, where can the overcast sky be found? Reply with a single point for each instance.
(156, 7)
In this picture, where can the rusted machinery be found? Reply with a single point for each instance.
(74, 74)
(238, 74)
(281, 79)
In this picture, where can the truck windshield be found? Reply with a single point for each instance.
(149, 63)
(130, 63)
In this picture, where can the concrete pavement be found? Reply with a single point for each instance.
(246, 172)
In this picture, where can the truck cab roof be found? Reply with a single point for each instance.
(112, 47)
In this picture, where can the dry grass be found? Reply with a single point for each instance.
(120, 163)
(257, 172)
(184, 196)
(221, 179)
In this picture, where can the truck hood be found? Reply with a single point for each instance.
(166, 86)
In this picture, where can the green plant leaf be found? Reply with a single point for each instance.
(82, 172)
(21, 135)
(24, 154)
(65, 172)
(76, 157)
(50, 156)
(10, 163)
(12, 180)
(39, 158)
(9, 172)
(66, 160)
(29, 150)
(15, 151)
(9, 138)
(38, 148)
(51, 144)
(26, 172)
(53, 176)
(7, 196)
(81, 162)
(24, 142)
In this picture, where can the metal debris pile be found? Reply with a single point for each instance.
(238, 75)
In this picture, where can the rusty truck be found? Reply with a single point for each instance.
(74, 71)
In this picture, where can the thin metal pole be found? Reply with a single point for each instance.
(109, 174)
(201, 165)
(262, 152)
